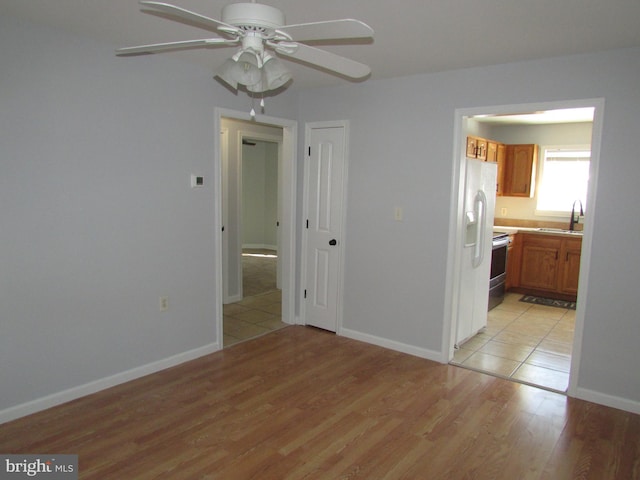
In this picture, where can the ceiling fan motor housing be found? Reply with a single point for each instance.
(253, 16)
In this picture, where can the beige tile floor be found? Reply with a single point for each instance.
(252, 317)
(527, 343)
(261, 311)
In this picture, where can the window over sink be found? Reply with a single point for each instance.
(564, 176)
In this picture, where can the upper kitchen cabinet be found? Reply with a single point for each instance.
(489, 151)
(497, 152)
(477, 148)
(492, 151)
(520, 170)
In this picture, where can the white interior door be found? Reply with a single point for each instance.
(325, 180)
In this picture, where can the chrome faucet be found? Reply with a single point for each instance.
(573, 221)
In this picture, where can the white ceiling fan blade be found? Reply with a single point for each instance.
(192, 17)
(324, 59)
(332, 29)
(161, 47)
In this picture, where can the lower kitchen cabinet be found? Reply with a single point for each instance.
(570, 253)
(539, 268)
(549, 265)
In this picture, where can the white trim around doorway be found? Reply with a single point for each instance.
(288, 214)
(456, 230)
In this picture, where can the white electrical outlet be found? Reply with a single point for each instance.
(164, 303)
(503, 211)
(398, 214)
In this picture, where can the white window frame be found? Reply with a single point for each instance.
(543, 151)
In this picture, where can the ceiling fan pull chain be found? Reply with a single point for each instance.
(252, 113)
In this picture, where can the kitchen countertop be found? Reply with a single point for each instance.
(541, 231)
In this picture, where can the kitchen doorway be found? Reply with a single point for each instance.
(236, 128)
(501, 349)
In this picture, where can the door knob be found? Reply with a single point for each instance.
(333, 241)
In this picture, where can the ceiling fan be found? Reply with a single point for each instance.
(258, 30)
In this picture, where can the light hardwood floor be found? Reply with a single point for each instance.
(300, 403)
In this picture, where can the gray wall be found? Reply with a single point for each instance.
(401, 151)
(98, 217)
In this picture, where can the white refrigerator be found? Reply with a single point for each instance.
(479, 206)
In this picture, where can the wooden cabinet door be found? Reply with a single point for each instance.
(520, 170)
(501, 156)
(482, 149)
(570, 257)
(472, 147)
(539, 266)
(492, 151)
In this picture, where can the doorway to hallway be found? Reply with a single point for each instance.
(235, 129)
(260, 311)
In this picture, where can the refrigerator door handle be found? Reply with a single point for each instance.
(480, 205)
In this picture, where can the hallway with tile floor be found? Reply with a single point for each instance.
(524, 342)
(260, 311)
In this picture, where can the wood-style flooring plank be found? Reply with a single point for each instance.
(301, 403)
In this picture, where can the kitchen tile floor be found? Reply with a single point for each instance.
(524, 342)
(260, 311)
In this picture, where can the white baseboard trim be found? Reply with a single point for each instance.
(64, 396)
(233, 299)
(392, 344)
(608, 400)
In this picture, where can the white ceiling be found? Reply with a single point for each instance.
(411, 36)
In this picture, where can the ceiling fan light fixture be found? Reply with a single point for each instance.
(247, 74)
(243, 68)
(274, 73)
(226, 73)
(250, 56)
(259, 87)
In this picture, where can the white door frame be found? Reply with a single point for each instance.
(343, 220)
(456, 228)
(287, 221)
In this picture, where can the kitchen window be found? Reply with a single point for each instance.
(564, 177)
